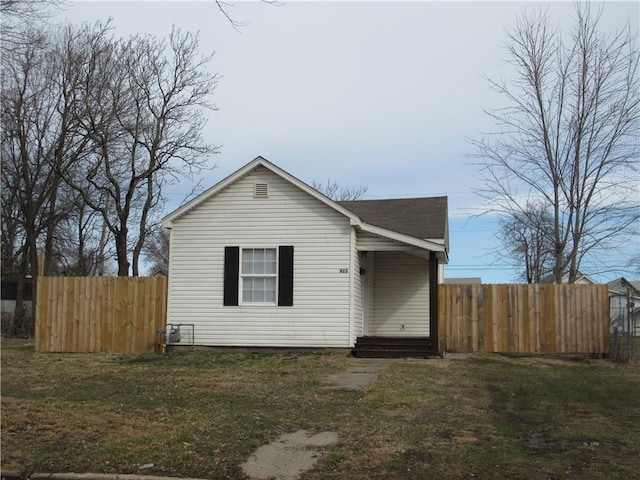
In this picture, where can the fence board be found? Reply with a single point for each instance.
(524, 318)
(99, 314)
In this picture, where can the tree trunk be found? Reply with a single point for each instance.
(18, 313)
(121, 253)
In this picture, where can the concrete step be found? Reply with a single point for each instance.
(392, 353)
(393, 341)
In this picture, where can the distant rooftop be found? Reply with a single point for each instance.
(464, 280)
(620, 285)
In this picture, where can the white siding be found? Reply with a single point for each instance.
(320, 313)
(400, 295)
(9, 306)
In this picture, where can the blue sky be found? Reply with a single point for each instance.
(380, 94)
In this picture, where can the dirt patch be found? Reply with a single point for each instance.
(538, 441)
(288, 456)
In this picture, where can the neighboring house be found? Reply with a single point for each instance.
(463, 280)
(263, 259)
(581, 279)
(9, 291)
(160, 271)
(621, 292)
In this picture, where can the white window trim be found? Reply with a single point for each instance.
(241, 276)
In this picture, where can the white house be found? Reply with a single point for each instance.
(261, 259)
(9, 295)
(624, 306)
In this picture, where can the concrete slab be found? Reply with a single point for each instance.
(288, 456)
(361, 373)
(353, 381)
(456, 356)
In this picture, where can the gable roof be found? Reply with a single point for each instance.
(408, 231)
(238, 174)
(620, 285)
(424, 218)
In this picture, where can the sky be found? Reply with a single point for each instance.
(386, 95)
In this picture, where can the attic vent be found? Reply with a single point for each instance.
(261, 190)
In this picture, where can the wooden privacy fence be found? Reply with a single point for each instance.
(537, 318)
(99, 314)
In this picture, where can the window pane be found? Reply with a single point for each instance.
(258, 296)
(270, 261)
(258, 265)
(247, 267)
(247, 260)
(247, 290)
(270, 290)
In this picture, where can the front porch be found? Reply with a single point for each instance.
(399, 304)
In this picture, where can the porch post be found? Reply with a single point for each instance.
(433, 301)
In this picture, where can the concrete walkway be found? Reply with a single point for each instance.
(287, 457)
(292, 454)
(361, 373)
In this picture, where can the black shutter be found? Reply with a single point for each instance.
(231, 266)
(285, 276)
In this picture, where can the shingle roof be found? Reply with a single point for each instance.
(424, 218)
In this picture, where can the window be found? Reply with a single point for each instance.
(258, 275)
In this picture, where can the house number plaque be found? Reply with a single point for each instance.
(344, 270)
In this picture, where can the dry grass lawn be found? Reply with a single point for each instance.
(203, 414)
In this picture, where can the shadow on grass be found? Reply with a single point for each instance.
(565, 413)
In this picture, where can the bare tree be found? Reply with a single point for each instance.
(16, 15)
(37, 134)
(527, 237)
(225, 6)
(143, 111)
(93, 127)
(82, 243)
(12, 231)
(568, 138)
(334, 191)
(156, 249)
